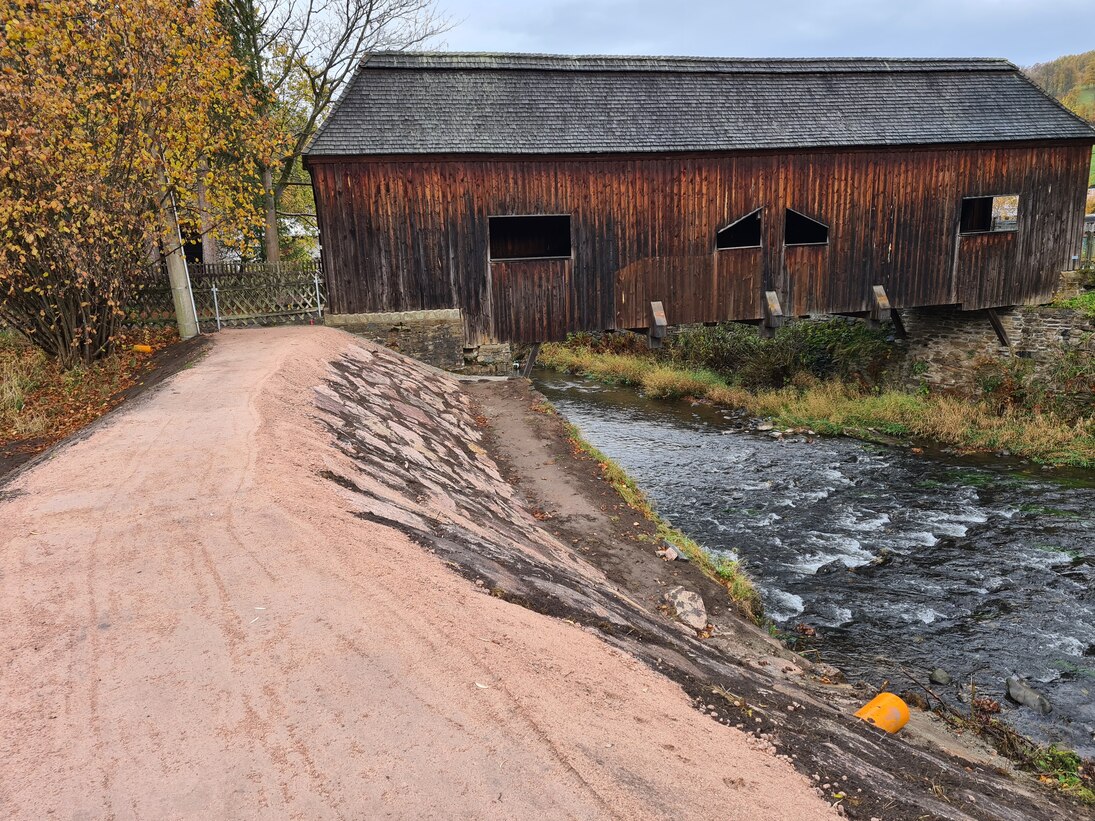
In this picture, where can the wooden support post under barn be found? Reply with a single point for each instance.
(658, 324)
(773, 314)
(880, 306)
(540, 196)
(998, 327)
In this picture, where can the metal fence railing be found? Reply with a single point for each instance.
(239, 296)
(1086, 260)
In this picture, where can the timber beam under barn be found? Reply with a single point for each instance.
(541, 195)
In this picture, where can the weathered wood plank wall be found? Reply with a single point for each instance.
(411, 233)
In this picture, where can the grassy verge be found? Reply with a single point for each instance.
(1084, 303)
(726, 572)
(836, 408)
(41, 403)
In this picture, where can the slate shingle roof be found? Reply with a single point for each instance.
(403, 103)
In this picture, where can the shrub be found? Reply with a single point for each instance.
(801, 353)
(610, 342)
(1066, 387)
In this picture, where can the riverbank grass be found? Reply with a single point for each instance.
(840, 408)
(726, 572)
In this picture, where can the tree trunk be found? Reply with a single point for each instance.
(177, 272)
(211, 252)
(273, 247)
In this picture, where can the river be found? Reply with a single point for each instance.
(988, 565)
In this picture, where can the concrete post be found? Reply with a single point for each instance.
(183, 298)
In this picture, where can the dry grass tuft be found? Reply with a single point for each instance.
(40, 402)
(22, 369)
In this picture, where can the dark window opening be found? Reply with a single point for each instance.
(744, 233)
(985, 214)
(801, 230)
(529, 237)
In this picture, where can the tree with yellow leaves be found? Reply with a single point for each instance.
(109, 112)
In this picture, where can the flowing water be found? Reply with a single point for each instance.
(984, 568)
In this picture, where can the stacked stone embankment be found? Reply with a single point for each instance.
(944, 346)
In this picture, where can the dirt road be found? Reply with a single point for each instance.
(192, 624)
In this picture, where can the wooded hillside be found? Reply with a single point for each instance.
(1071, 79)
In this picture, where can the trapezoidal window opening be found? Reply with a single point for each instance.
(742, 233)
(529, 237)
(986, 215)
(799, 229)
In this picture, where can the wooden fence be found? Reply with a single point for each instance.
(237, 295)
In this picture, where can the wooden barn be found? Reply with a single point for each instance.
(541, 195)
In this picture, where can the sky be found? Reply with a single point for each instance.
(1023, 31)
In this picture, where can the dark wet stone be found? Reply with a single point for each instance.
(834, 566)
(940, 676)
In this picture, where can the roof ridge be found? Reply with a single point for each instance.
(398, 104)
(517, 61)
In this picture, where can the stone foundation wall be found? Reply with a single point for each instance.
(1072, 284)
(495, 359)
(434, 337)
(944, 345)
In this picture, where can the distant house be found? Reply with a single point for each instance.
(541, 195)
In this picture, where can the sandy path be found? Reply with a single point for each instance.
(193, 626)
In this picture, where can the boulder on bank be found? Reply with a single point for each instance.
(689, 607)
(1022, 693)
(940, 676)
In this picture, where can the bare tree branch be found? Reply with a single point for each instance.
(302, 53)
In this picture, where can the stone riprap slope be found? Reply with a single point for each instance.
(195, 625)
(412, 459)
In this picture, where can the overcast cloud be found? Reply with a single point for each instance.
(1024, 31)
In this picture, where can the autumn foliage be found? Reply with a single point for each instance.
(108, 108)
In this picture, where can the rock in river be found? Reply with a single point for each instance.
(834, 566)
(1022, 693)
(940, 676)
(689, 607)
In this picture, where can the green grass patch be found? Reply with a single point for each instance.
(840, 407)
(1084, 303)
(726, 572)
(1043, 510)
(1054, 766)
(1065, 770)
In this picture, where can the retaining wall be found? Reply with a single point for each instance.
(434, 337)
(944, 345)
